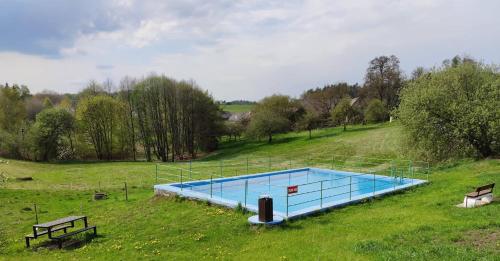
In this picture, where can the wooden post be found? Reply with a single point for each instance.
(126, 192)
(36, 213)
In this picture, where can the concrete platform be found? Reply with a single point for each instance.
(254, 220)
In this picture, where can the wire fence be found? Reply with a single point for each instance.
(130, 187)
(365, 176)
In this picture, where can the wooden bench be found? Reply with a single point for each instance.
(479, 193)
(56, 225)
(32, 236)
(60, 238)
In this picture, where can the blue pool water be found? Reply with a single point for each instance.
(317, 189)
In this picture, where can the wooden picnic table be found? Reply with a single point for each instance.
(57, 225)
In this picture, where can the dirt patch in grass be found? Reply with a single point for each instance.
(482, 239)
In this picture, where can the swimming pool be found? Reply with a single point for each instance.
(295, 192)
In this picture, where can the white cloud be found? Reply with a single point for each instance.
(250, 49)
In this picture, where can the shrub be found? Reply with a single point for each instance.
(453, 112)
(376, 111)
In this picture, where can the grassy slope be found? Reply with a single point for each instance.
(237, 107)
(421, 223)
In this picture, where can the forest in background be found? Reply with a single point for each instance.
(447, 111)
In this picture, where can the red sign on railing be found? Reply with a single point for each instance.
(293, 189)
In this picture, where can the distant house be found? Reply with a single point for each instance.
(238, 116)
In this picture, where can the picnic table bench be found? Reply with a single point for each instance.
(57, 225)
(479, 193)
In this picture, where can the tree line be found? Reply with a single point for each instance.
(447, 111)
(156, 118)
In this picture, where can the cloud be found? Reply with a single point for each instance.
(235, 49)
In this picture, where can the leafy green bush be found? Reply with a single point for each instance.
(453, 112)
(376, 111)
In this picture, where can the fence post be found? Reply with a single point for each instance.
(321, 195)
(350, 188)
(246, 191)
(36, 213)
(126, 191)
(211, 177)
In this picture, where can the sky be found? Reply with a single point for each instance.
(235, 49)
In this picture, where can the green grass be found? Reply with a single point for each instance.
(237, 107)
(421, 223)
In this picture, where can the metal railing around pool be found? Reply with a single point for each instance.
(211, 172)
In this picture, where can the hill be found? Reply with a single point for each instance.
(421, 223)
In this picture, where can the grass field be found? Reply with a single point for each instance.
(421, 223)
(237, 107)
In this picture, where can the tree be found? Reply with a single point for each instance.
(267, 123)
(376, 111)
(272, 115)
(453, 112)
(98, 116)
(321, 101)
(52, 127)
(383, 80)
(309, 121)
(343, 112)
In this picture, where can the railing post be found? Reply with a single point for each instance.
(428, 170)
(350, 188)
(374, 184)
(321, 195)
(220, 165)
(156, 173)
(182, 186)
(287, 202)
(211, 185)
(246, 191)
(190, 169)
(269, 184)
